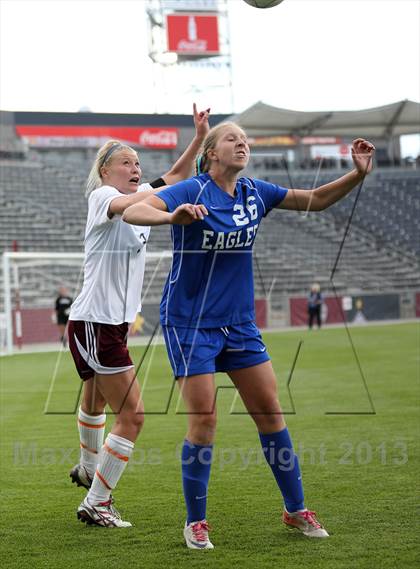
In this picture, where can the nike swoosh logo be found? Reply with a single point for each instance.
(262, 349)
(95, 365)
(201, 545)
(200, 497)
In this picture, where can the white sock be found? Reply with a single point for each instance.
(91, 431)
(113, 459)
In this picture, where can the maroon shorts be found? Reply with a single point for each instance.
(99, 348)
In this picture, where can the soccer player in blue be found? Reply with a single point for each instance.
(207, 310)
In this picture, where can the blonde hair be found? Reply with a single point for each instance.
(103, 156)
(203, 162)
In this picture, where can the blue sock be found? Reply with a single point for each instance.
(279, 453)
(196, 463)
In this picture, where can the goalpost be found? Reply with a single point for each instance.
(30, 284)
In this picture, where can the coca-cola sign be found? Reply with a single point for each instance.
(93, 136)
(164, 138)
(193, 34)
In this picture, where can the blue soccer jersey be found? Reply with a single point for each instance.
(211, 282)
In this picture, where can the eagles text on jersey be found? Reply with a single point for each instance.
(211, 280)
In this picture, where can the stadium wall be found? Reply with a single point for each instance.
(417, 304)
(38, 323)
(354, 308)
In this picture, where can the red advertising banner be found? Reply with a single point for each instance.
(37, 326)
(261, 312)
(417, 304)
(93, 136)
(320, 140)
(193, 34)
(331, 311)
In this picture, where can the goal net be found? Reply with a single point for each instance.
(31, 283)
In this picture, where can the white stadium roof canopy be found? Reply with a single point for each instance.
(402, 117)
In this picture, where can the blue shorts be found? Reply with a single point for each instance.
(193, 351)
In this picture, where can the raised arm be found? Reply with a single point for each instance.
(322, 197)
(179, 171)
(183, 166)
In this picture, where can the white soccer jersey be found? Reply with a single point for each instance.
(115, 254)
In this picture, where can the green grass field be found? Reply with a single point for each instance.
(359, 468)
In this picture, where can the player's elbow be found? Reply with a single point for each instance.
(174, 176)
(130, 214)
(318, 206)
(126, 216)
(317, 202)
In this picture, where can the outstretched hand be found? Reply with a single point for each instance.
(187, 213)
(362, 152)
(201, 121)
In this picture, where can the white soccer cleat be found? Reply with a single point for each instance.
(197, 535)
(103, 514)
(306, 522)
(80, 476)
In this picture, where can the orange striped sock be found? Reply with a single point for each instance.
(113, 460)
(91, 433)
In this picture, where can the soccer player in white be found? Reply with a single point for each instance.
(100, 316)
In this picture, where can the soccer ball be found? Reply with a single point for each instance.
(263, 3)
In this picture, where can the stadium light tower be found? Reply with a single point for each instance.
(189, 46)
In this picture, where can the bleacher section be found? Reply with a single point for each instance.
(11, 147)
(388, 207)
(42, 207)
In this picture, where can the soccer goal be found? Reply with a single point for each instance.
(31, 282)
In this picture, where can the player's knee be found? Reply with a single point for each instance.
(272, 425)
(269, 421)
(133, 421)
(207, 420)
(138, 421)
(100, 401)
(204, 426)
(95, 407)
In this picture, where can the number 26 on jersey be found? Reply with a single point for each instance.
(241, 218)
